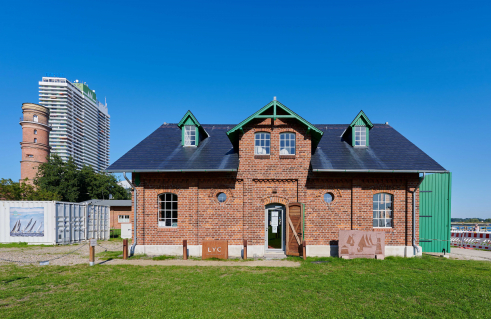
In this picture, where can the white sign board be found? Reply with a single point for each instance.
(275, 229)
(126, 231)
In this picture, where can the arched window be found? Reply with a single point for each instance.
(287, 144)
(168, 210)
(382, 210)
(35, 118)
(262, 143)
(35, 132)
(35, 140)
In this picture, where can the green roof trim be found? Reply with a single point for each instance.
(189, 116)
(276, 106)
(361, 120)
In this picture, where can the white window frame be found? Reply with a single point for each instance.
(288, 143)
(262, 143)
(360, 136)
(383, 210)
(123, 219)
(189, 135)
(35, 118)
(168, 212)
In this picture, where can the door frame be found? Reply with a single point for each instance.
(283, 209)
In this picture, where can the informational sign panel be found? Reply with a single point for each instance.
(93, 242)
(214, 249)
(361, 244)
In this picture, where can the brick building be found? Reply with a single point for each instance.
(120, 211)
(35, 139)
(274, 180)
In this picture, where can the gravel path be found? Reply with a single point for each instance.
(180, 262)
(34, 254)
(470, 254)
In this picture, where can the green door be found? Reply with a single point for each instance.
(435, 195)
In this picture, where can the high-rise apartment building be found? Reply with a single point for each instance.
(80, 123)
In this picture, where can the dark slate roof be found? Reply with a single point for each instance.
(162, 151)
(388, 150)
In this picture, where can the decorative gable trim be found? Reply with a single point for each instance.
(361, 120)
(274, 110)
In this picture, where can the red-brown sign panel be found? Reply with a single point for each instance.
(214, 249)
(361, 244)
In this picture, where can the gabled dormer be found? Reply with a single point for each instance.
(192, 131)
(360, 130)
(274, 110)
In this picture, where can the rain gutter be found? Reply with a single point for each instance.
(169, 170)
(132, 249)
(377, 171)
(413, 235)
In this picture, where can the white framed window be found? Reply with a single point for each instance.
(35, 140)
(360, 136)
(189, 135)
(35, 118)
(262, 143)
(123, 219)
(382, 210)
(35, 132)
(287, 144)
(168, 210)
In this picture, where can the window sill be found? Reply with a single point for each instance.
(287, 156)
(261, 156)
(383, 228)
(167, 228)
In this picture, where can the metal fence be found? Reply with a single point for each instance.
(464, 239)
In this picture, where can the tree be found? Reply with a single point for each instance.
(10, 190)
(76, 185)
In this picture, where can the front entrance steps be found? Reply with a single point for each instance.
(274, 255)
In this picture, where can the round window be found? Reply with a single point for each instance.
(222, 197)
(328, 197)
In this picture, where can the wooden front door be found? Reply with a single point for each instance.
(294, 229)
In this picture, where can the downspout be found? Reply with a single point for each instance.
(416, 248)
(132, 249)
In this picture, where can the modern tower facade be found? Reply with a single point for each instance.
(35, 136)
(80, 123)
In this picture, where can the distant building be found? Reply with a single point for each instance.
(35, 134)
(80, 123)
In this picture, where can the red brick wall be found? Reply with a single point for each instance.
(120, 210)
(261, 181)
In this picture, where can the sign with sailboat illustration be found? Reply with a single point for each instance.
(27, 221)
(361, 244)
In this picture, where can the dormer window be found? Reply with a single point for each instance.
(360, 136)
(262, 143)
(189, 135)
(192, 131)
(360, 129)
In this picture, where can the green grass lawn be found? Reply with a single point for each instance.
(392, 288)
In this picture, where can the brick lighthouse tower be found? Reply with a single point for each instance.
(35, 139)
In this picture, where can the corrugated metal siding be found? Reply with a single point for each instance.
(434, 231)
(64, 223)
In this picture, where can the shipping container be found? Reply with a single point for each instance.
(48, 222)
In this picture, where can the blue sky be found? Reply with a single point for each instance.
(422, 66)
